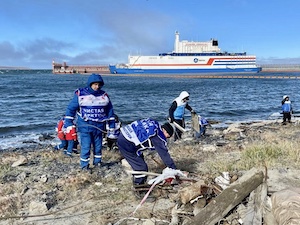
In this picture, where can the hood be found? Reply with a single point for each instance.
(179, 99)
(95, 78)
(183, 95)
(284, 97)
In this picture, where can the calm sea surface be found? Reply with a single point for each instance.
(32, 101)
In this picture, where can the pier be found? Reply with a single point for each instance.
(280, 68)
(61, 68)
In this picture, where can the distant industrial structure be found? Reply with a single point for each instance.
(59, 68)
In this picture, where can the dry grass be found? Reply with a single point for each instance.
(278, 147)
(5, 169)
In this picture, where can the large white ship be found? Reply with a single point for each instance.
(189, 57)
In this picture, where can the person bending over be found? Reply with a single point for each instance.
(141, 135)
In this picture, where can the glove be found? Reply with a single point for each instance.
(69, 129)
(168, 174)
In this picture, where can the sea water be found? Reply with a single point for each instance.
(32, 101)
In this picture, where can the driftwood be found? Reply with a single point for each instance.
(157, 174)
(191, 192)
(269, 218)
(229, 198)
(255, 211)
(182, 129)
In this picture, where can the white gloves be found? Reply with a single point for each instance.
(167, 173)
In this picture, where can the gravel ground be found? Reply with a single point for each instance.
(48, 187)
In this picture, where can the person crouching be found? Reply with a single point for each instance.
(141, 135)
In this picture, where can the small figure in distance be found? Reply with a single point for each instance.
(203, 123)
(287, 109)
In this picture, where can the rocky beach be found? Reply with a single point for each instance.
(42, 186)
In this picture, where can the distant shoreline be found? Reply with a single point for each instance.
(280, 67)
(13, 68)
(267, 68)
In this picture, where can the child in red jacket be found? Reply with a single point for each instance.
(68, 138)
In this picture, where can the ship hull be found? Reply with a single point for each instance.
(114, 70)
(186, 65)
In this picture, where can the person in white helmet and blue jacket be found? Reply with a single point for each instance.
(93, 109)
(286, 109)
(177, 110)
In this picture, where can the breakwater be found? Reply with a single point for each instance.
(280, 67)
(60, 68)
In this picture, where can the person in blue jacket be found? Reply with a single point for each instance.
(286, 109)
(177, 110)
(93, 109)
(141, 135)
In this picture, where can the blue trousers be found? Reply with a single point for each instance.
(88, 140)
(63, 144)
(71, 145)
(137, 163)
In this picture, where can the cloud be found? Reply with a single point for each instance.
(9, 52)
(33, 54)
(95, 35)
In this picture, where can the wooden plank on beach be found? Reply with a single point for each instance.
(229, 198)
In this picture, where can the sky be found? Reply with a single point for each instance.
(101, 32)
